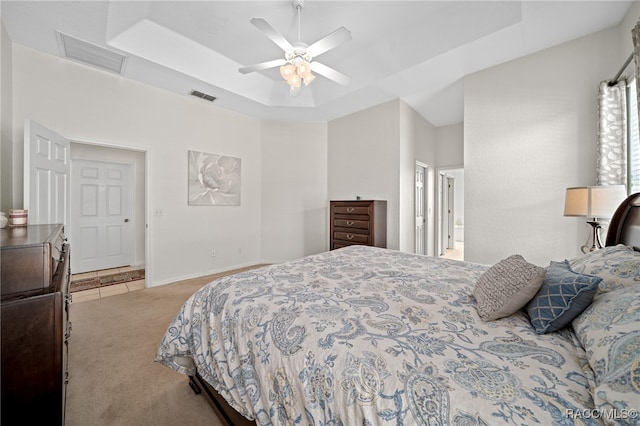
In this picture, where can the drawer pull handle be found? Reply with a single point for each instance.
(349, 237)
(350, 209)
(349, 223)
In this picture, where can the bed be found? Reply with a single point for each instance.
(369, 336)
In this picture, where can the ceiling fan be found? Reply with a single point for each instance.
(297, 65)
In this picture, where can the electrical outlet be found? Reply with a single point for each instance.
(213, 253)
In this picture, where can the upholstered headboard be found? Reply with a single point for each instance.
(624, 227)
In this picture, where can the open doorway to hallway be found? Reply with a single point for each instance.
(450, 213)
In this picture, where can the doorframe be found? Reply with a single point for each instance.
(425, 205)
(438, 225)
(147, 193)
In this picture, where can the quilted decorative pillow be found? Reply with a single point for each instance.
(506, 287)
(618, 266)
(609, 331)
(564, 294)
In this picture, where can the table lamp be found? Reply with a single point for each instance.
(593, 202)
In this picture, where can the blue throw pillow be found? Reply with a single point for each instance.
(563, 295)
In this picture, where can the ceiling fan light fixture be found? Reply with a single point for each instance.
(294, 81)
(304, 69)
(287, 70)
(295, 68)
(308, 79)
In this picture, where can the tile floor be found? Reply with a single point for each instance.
(97, 293)
(456, 253)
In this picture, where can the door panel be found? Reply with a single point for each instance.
(450, 208)
(101, 219)
(46, 175)
(420, 209)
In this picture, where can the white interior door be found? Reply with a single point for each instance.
(420, 209)
(46, 175)
(442, 216)
(450, 206)
(102, 230)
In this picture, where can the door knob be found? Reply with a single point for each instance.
(126, 220)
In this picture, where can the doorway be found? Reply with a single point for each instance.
(35, 140)
(450, 211)
(95, 165)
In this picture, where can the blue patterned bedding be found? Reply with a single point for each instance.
(369, 336)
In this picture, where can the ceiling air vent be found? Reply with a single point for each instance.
(203, 96)
(91, 54)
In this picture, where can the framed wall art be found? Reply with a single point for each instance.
(214, 180)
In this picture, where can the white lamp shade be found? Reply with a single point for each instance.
(287, 71)
(304, 69)
(308, 79)
(594, 201)
(294, 80)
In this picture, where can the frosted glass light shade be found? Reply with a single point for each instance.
(287, 70)
(294, 80)
(308, 79)
(304, 69)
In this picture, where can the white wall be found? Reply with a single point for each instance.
(530, 132)
(85, 104)
(373, 153)
(626, 43)
(417, 143)
(294, 190)
(136, 159)
(364, 159)
(6, 124)
(450, 145)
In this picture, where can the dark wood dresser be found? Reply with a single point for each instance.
(35, 327)
(358, 222)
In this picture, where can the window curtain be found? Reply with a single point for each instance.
(635, 36)
(611, 168)
(612, 134)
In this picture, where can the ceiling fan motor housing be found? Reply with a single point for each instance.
(299, 50)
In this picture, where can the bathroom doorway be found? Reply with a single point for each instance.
(450, 213)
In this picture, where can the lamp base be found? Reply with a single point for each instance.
(595, 237)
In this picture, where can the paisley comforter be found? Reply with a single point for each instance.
(369, 336)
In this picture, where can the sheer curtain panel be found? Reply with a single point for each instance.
(612, 134)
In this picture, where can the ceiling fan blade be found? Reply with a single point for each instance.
(334, 39)
(330, 73)
(262, 66)
(271, 32)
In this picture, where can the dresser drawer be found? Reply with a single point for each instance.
(346, 223)
(351, 237)
(351, 210)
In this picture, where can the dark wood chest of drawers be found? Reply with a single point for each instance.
(35, 327)
(361, 222)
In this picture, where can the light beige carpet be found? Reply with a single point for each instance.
(113, 379)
